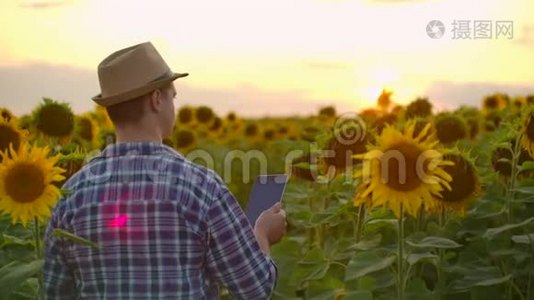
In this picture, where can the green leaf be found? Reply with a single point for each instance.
(529, 190)
(493, 281)
(312, 267)
(414, 258)
(524, 239)
(358, 295)
(527, 166)
(416, 289)
(13, 240)
(435, 242)
(74, 238)
(368, 243)
(15, 273)
(492, 232)
(364, 263)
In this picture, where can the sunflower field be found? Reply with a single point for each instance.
(392, 202)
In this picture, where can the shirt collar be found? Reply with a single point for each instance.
(136, 148)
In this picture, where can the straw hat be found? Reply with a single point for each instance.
(132, 72)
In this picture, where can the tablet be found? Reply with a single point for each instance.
(267, 190)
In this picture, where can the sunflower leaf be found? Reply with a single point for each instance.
(364, 263)
(492, 232)
(15, 273)
(527, 166)
(435, 242)
(524, 239)
(74, 238)
(414, 258)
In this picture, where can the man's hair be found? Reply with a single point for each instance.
(131, 111)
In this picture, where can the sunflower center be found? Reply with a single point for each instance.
(399, 167)
(25, 183)
(463, 180)
(8, 136)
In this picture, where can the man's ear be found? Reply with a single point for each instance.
(155, 100)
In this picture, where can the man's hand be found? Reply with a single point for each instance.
(270, 227)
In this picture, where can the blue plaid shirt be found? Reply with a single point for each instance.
(165, 228)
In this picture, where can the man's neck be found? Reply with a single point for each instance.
(137, 134)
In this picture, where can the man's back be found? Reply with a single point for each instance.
(166, 229)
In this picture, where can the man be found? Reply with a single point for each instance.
(165, 228)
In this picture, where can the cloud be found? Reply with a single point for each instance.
(449, 95)
(23, 87)
(43, 4)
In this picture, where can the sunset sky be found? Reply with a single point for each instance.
(269, 57)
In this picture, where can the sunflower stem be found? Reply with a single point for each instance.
(420, 218)
(400, 256)
(441, 254)
(359, 224)
(510, 193)
(38, 255)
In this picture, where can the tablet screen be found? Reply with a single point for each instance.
(267, 190)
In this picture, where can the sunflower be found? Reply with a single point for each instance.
(231, 117)
(412, 178)
(204, 114)
(106, 136)
(10, 136)
(269, 134)
(384, 100)
(6, 114)
(527, 138)
(383, 121)
(101, 117)
(306, 167)
(501, 158)
(185, 115)
(495, 102)
(421, 107)
(71, 161)
(419, 125)
(465, 184)
(251, 130)
(184, 140)
(86, 130)
(344, 144)
(26, 183)
(450, 128)
(54, 119)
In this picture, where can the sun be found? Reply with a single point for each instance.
(402, 170)
(26, 183)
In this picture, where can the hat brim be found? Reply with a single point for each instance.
(116, 99)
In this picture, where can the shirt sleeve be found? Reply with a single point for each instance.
(58, 279)
(235, 258)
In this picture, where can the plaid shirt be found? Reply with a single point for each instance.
(166, 229)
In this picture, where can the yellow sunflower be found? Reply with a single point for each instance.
(26, 183)
(6, 114)
(527, 132)
(465, 184)
(402, 169)
(10, 135)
